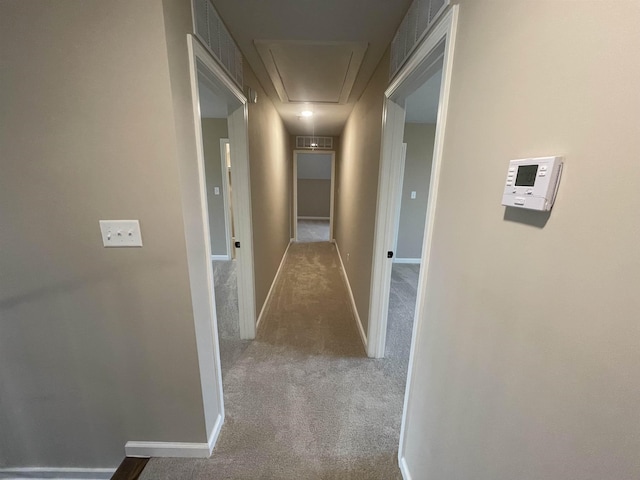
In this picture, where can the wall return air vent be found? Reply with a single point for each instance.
(212, 33)
(307, 141)
(421, 16)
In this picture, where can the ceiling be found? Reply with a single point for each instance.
(313, 55)
(211, 105)
(422, 105)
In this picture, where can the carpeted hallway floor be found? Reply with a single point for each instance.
(313, 230)
(303, 401)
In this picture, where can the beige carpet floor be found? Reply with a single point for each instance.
(313, 230)
(303, 401)
(225, 280)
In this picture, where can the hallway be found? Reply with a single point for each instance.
(303, 401)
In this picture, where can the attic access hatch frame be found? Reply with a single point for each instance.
(323, 56)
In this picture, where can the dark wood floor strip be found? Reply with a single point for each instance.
(130, 468)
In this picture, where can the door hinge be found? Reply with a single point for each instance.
(237, 244)
(389, 254)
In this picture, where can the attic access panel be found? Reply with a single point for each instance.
(316, 72)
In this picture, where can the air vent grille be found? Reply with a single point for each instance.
(420, 17)
(211, 31)
(307, 141)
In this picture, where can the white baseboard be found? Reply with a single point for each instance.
(363, 336)
(50, 473)
(167, 449)
(404, 469)
(220, 257)
(407, 260)
(175, 449)
(314, 218)
(266, 300)
(213, 437)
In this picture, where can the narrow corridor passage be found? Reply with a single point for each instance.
(303, 401)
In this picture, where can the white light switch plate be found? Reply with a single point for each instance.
(121, 233)
(413, 195)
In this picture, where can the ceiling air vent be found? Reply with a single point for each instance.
(421, 16)
(324, 143)
(212, 33)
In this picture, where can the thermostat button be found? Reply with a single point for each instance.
(519, 201)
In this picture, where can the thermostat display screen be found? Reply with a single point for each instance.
(526, 176)
(532, 183)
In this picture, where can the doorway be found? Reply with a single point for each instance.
(416, 160)
(433, 56)
(207, 77)
(217, 172)
(313, 194)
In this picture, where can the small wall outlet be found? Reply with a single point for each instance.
(216, 190)
(121, 233)
(413, 195)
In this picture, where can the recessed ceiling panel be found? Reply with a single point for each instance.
(314, 72)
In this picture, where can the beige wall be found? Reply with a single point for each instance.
(97, 346)
(213, 129)
(314, 198)
(271, 187)
(527, 362)
(357, 187)
(417, 172)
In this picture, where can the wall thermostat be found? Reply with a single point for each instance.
(532, 183)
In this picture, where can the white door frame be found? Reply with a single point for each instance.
(295, 189)
(225, 196)
(434, 51)
(436, 48)
(237, 122)
(206, 323)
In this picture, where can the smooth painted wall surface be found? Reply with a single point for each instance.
(97, 345)
(314, 198)
(314, 184)
(213, 129)
(271, 187)
(526, 364)
(357, 187)
(417, 173)
(314, 166)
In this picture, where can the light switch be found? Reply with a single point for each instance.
(413, 195)
(121, 233)
(216, 190)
